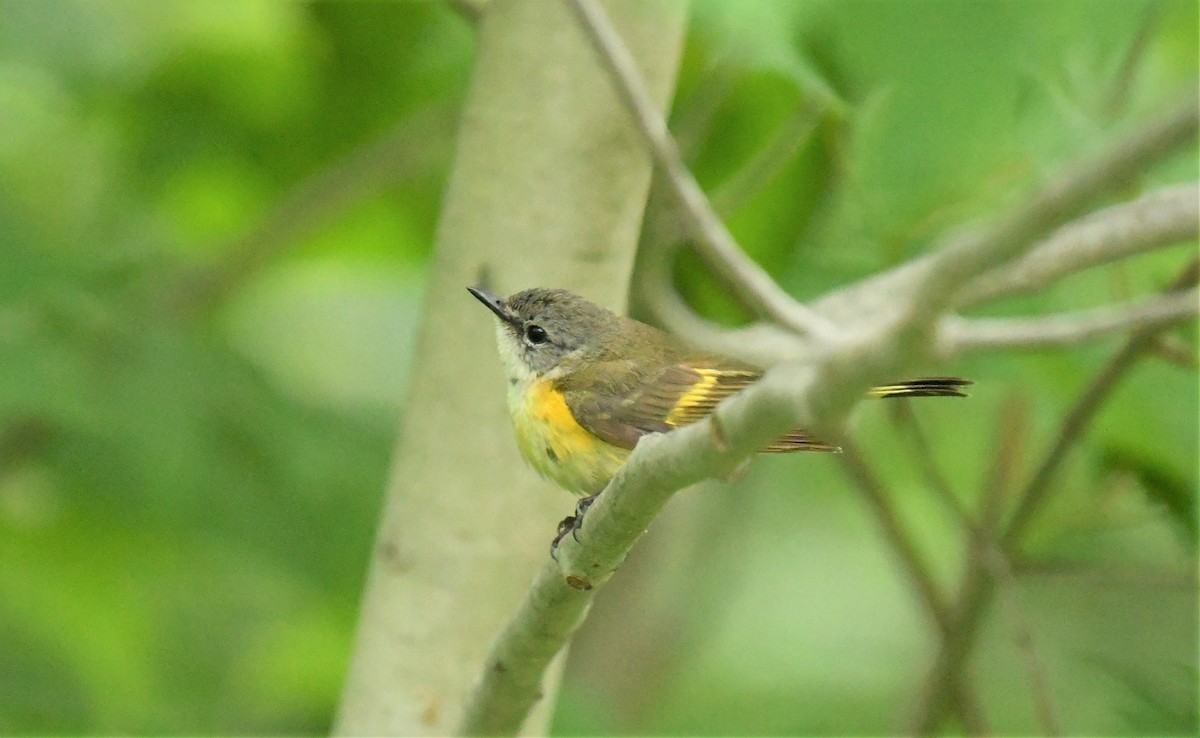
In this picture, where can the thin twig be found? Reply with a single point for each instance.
(1174, 350)
(1132, 61)
(973, 601)
(713, 241)
(785, 144)
(917, 571)
(1081, 414)
(1113, 576)
(958, 335)
(692, 119)
(988, 554)
(856, 468)
(981, 536)
(1161, 218)
(656, 294)
(978, 588)
(312, 203)
(655, 288)
(950, 667)
(1053, 206)
(938, 276)
(1035, 668)
(470, 10)
(910, 428)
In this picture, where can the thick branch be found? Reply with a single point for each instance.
(749, 282)
(957, 335)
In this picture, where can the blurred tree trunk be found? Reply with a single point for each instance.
(548, 188)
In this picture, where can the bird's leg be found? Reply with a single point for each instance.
(581, 507)
(572, 523)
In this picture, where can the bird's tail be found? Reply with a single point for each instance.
(922, 387)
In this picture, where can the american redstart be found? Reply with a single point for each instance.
(584, 384)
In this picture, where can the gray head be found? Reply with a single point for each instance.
(539, 328)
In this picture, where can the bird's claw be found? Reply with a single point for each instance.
(571, 524)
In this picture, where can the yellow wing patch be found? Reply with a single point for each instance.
(701, 398)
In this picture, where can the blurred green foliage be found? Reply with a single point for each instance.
(196, 413)
(188, 488)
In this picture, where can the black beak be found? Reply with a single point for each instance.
(493, 303)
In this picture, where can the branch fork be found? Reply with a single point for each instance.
(826, 354)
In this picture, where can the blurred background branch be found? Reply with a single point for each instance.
(410, 148)
(1166, 217)
(1066, 329)
(979, 585)
(710, 236)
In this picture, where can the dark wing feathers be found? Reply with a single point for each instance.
(619, 404)
(679, 395)
(798, 441)
(923, 387)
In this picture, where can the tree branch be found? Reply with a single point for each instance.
(815, 395)
(749, 282)
(658, 466)
(660, 242)
(313, 202)
(937, 276)
(930, 594)
(860, 473)
(958, 335)
(979, 585)
(1161, 218)
(470, 10)
(788, 140)
(922, 452)
(1081, 414)
(973, 255)
(987, 554)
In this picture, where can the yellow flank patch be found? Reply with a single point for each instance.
(549, 407)
(557, 446)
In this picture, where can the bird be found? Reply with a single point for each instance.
(585, 384)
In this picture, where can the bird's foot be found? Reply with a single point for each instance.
(571, 524)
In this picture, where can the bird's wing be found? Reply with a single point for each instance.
(677, 396)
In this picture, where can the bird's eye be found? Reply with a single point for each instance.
(535, 334)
